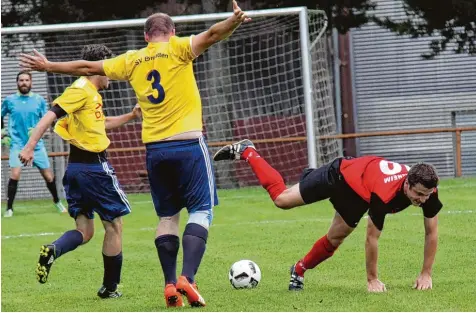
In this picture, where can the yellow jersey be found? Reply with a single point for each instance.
(163, 80)
(85, 124)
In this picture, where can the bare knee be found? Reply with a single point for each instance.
(114, 227)
(168, 225)
(87, 233)
(289, 198)
(282, 202)
(48, 175)
(15, 173)
(336, 241)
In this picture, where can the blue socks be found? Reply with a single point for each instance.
(69, 241)
(167, 249)
(112, 271)
(194, 243)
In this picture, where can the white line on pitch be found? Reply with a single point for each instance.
(265, 222)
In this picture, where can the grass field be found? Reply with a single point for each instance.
(248, 226)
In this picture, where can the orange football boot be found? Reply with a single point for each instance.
(190, 291)
(172, 297)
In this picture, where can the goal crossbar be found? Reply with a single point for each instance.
(140, 21)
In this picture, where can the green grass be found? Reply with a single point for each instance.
(248, 226)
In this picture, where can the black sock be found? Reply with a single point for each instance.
(68, 242)
(12, 191)
(112, 271)
(194, 242)
(167, 249)
(52, 188)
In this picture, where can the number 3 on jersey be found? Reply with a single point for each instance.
(154, 77)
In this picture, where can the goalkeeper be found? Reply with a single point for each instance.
(25, 109)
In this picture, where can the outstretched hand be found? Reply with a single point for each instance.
(36, 62)
(239, 14)
(423, 282)
(376, 285)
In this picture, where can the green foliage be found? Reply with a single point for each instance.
(451, 21)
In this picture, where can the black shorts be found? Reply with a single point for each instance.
(327, 182)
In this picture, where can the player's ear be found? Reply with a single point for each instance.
(146, 37)
(173, 32)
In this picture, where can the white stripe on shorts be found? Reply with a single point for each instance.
(115, 183)
(211, 180)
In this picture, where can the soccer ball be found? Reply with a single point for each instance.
(244, 274)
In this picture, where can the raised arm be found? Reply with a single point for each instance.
(219, 31)
(371, 258)
(38, 62)
(424, 281)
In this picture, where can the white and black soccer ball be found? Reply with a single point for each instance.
(244, 274)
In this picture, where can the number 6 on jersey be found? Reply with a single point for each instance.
(154, 76)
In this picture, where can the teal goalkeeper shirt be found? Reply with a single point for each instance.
(25, 111)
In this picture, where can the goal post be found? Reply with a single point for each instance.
(271, 82)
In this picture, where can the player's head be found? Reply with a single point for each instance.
(158, 25)
(97, 53)
(24, 82)
(420, 183)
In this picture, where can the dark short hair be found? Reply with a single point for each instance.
(158, 24)
(23, 73)
(95, 52)
(423, 173)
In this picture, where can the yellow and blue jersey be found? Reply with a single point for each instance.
(85, 124)
(163, 80)
(25, 111)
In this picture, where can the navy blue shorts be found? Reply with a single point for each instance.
(181, 175)
(94, 188)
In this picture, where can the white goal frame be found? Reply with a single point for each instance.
(306, 46)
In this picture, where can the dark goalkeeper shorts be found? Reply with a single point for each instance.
(326, 182)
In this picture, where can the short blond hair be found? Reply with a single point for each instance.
(158, 24)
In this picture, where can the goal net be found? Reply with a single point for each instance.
(251, 87)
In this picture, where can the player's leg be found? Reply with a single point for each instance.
(110, 202)
(322, 249)
(199, 193)
(112, 258)
(15, 171)
(167, 244)
(350, 209)
(40, 160)
(269, 178)
(163, 179)
(69, 241)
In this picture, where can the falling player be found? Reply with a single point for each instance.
(178, 162)
(354, 186)
(89, 181)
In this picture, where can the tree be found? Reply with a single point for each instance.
(451, 21)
